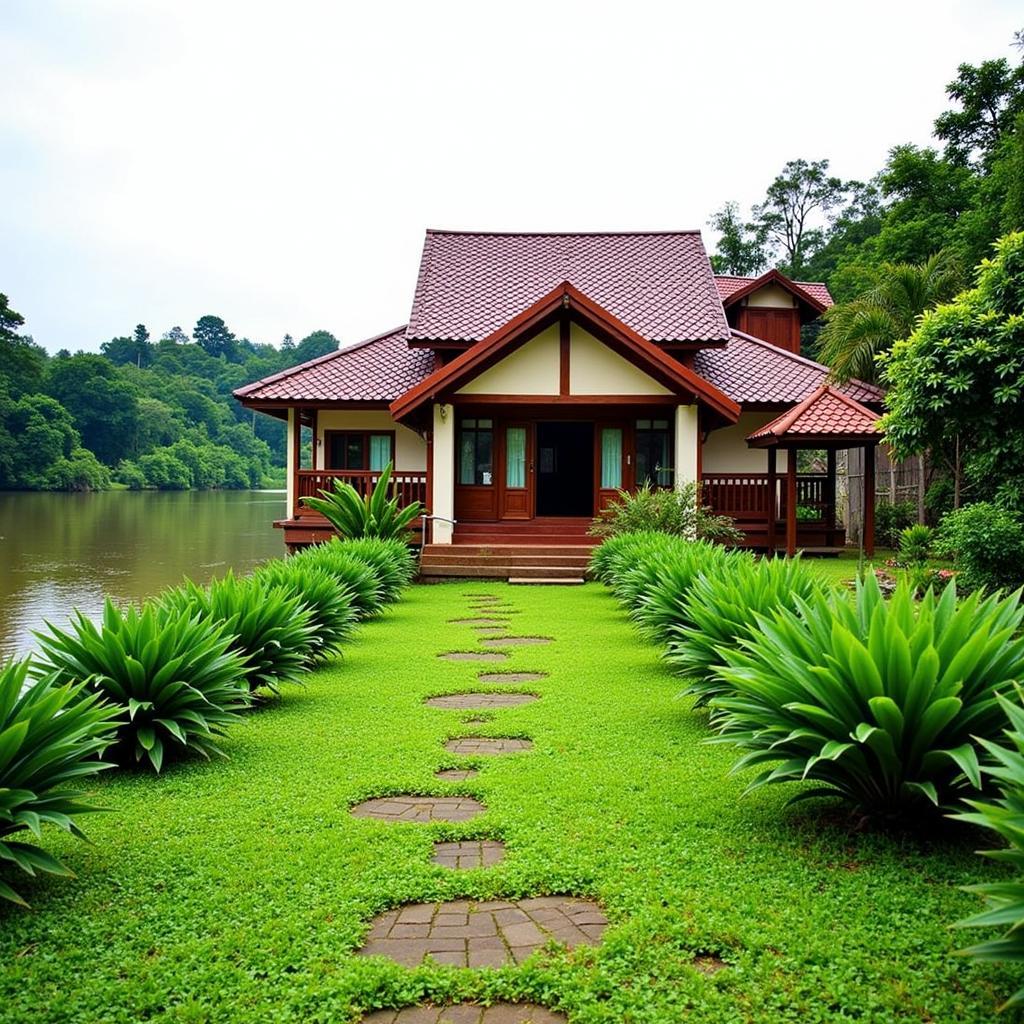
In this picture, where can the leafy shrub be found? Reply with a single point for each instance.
(938, 499)
(270, 628)
(987, 543)
(635, 578)
(333, 613)
(173, 677)
(892, 519)
(915, 545)
(1004, 816)
(877, 701)
(659, 510)
(718, 610)
(352, 575)
(375, 515)
(50, 735)
(615, 553)
(391, 560)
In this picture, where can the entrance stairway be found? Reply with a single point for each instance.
(538, 551)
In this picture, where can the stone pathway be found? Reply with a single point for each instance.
(468, 854)
(511, 677)
(487, 621)
(420, 808)
(468, 1013)
(487, 745)
(456, 774)
(486, 934)
(477, 701)
(473, 656)
(514, 641)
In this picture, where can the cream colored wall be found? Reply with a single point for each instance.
(442, 498)
(687, 440)
(410, 448)
(726, 451)
(594, 369)
(532, 369)
(772, 296)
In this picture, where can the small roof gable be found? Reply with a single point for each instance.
(755, 372)
(643, 353)
(826, 416)
(813, 293)
(377, 371)
(659, 284)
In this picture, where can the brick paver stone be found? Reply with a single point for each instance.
(468, 1013)
(514, 641)
(473, 656)
(473, 701)
(486, 934)
(456, 774)
(487, 745)
(511, 677)
(420, 808)
(468, 854)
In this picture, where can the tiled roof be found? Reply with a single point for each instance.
(377, 370)
(659, 284)
(728, 286)
(825, 413)
(750, 370)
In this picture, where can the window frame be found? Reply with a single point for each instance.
(365, 436)
(476, 430)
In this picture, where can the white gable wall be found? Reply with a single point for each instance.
(532, 369)
(771, 296)
(726, 451)
(594, 369)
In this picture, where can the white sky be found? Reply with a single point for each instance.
(277, 163)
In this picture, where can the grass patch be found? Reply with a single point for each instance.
(238, 892)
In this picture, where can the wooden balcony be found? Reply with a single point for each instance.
(407, 485)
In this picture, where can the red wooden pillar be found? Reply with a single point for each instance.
(869, 499)
(791, 503)
(772, 503)
(830, 498)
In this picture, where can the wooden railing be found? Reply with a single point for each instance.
(746, 495)
(408, 485)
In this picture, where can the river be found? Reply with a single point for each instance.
(59, 552)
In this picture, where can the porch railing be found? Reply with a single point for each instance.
(407, 485)
(747, 495)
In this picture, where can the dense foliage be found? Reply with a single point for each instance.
(986, 542)
(376, 514)
(172, 676)
(391, 560)
(879, 702)
(351, 575)
(51, 737)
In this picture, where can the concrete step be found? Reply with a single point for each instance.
(533, 540)
(553, 581)
(498, 571)
(469, 551)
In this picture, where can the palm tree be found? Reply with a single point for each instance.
(857, 331)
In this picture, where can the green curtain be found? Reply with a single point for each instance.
(515, 457)
(380, 451)
(467, 457)
(611, 457)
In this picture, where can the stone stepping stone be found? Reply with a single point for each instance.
(514, 641)
(456, 774)
(495, 628)
(420, 809)
(707, 963)
(468, 854)
(486, 934)
(473, 656)
(475, 701)
(487, 745)
(487, 621)
(468, 1013)
(511, 677)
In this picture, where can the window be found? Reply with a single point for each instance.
(476, 443)
(357, 450)
(515, 457)
(611, 458)
(653, 453)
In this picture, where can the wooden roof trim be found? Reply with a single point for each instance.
(775, 277)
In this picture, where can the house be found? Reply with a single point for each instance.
(540, 373)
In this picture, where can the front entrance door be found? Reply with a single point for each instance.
(565, 469)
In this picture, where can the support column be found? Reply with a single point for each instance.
(292, 456)
(791, 503)
(687, 445)
(772, 498)
(869, 500)
(442, 477)
(830, 497)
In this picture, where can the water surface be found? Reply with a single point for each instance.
(59, 552)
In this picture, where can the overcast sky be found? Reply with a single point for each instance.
(277, 163)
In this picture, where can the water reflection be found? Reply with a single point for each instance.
(64, 551)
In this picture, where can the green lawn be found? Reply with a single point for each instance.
(238, 891)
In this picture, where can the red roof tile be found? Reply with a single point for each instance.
(376, 370)
(659, 284)
(825, 413)
(750, 370)
(728, 286)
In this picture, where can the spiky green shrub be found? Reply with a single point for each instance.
(51, 736)
(173, 677)
(608, 558)
(634, 579)
(330, 605)
(351, 574)
(879, 702)
(660, 608)
(718, 611)
(375, 515)
(270, 628)
(1005, 816)
(391, 560)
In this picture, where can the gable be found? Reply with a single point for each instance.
(771, 296)
(531, 369)
(594, 369)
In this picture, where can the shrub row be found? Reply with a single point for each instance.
(149, 684)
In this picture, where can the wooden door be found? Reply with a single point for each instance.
(612, 463)
(517, 471)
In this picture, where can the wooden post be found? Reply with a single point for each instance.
(773, 507)
(791, 504)
(296, 459)
(830, 497)
(869, 500)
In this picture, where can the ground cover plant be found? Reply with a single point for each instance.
(173, 677)
(238, 891)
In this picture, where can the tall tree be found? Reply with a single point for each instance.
(314, 345)
(176, 335)
(741, 247)
(213, 336)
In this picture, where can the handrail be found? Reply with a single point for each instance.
(423, 530)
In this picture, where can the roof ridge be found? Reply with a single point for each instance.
(560, 234)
